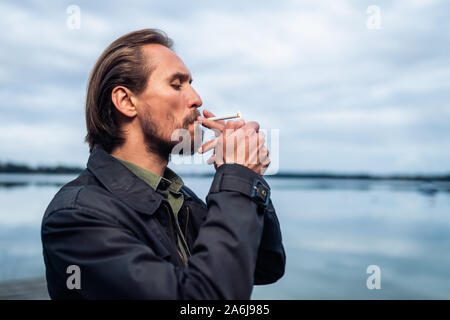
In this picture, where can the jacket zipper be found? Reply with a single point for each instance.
(183, 238)
(187, 220)
(179, 235)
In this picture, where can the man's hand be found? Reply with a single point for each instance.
(236, 142)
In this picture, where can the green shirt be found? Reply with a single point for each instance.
(169, 187)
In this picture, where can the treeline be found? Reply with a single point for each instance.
(22, 168)
(356, 176)
(60, 169)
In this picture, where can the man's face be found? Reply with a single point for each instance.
(169, 102)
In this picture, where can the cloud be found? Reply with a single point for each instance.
(42, 144)
(343, 96)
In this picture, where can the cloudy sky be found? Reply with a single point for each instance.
(339, 89)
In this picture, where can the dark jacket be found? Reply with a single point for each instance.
(121, 235)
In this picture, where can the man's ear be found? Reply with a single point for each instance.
(124, 100)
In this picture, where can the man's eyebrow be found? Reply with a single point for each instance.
(181, 76)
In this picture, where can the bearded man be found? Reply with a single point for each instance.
(128, 227)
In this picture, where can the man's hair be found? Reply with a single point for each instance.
(121, 64)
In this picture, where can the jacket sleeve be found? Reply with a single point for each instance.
(114, 264)
(271, 261)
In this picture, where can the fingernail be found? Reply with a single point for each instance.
(199, 150)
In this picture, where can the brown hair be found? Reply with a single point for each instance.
(121, 64)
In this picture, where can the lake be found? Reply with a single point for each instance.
(333, 230)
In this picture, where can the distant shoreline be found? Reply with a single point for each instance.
(21, 168)
(60, 169)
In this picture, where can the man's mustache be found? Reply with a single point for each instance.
(191, 119)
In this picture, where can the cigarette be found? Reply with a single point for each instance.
(231, 116)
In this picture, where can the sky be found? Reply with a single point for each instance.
(340, 86)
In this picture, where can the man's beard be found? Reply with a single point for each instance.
(156, 143)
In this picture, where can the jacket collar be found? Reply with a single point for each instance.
(121, 182)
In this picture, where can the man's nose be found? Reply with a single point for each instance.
(194, 100)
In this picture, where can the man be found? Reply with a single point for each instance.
(127, 227)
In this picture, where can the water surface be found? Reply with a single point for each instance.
(332, 231)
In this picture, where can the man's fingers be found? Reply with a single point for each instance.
(208, 145)
(227, 130)
(261, 138)
(252, 125)
(211, 124)
(211, 159)
(229, 124)
(263, 154)
(217, 125)
(265, 167)
(238, 124)
(238, 142)
(209, 114)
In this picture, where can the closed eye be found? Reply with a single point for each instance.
(178, 78)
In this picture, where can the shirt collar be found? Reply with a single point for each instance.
(170, 181)
(121, 182)
(175, 180)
